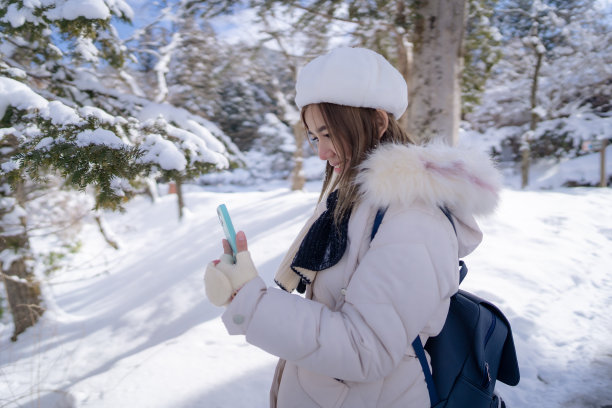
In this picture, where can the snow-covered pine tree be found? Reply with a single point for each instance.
(242, 87)
(39, 130)
(255, 98)
(197, 68)
(57, 115)
(175, 73)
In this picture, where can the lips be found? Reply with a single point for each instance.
(337, 167)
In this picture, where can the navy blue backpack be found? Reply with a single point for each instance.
(474, 349)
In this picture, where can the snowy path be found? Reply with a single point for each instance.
(133, 327)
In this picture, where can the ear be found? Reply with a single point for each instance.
(382, 121)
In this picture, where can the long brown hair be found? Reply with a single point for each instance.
(354, 131)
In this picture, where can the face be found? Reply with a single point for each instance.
(319, 135)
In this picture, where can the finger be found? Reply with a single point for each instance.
(216, 262)
(241, 242)
(227, 249)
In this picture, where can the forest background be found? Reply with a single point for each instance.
(102, 101)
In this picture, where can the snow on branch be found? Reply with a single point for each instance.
(36, 12)
(90, 146)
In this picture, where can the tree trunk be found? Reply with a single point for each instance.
(151, 189)
(533, 102)
(179, 196)
(603, 181)
(524, 163)
(297, 175)
(534, 93)
(23, 293)
(434, 97)
(20, 283)
(104, 230)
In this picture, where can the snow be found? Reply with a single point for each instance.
(120, 7)
(9, 166)
(17, 17)
(120, 186)
(86, 49)
(99, 137)
(582, 170)
(65, 9)
(162, 151)
(200, 140)
(11, 219)
(44, 143)
(132, 327)
(272, 127)
(73, 9)
(19, 95)
(61, 114)
(7, 257)
(199, 126)
(100, 115)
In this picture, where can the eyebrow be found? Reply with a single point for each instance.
(319, 130)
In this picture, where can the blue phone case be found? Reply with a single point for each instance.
(228, 227)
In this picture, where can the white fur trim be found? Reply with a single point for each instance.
(463, 180)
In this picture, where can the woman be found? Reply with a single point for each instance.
(347, 342)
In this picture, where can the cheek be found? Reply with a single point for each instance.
(325, 145)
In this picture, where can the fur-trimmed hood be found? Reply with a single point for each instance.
(466, 181)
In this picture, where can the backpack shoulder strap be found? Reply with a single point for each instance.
(377, 220)
(417, 345)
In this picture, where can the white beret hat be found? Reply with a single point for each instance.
(354, 77)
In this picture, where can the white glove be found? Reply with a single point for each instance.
(226, 278)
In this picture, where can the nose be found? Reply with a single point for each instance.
(325, 148)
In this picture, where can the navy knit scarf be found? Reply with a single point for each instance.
(324, 243)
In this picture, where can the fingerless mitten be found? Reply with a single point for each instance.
(223, 279)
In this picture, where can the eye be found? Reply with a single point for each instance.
(313, 139)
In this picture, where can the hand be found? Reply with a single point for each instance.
(223, 278)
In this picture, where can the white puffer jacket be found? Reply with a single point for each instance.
(350, 345)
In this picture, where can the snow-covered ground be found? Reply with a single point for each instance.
(133, 328)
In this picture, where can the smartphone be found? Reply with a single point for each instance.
(228, 227)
